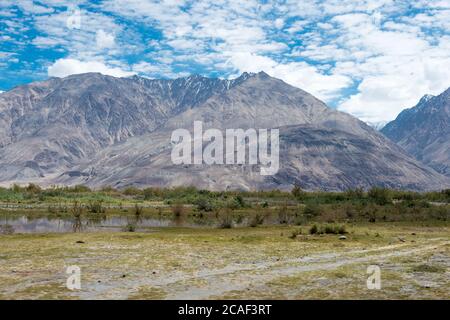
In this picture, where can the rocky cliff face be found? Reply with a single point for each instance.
(424, 131)
(100, 130)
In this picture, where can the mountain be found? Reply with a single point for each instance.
(99, 130)
(52, 125)
(424, 131)
(377, 125)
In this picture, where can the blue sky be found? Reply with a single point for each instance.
(370, 58)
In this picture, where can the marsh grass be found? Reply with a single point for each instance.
(256, 220)
(328, 229)
(428, 268)
(177, 210)
(77, 212)
(225, 219)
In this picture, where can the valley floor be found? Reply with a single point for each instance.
(273, 262)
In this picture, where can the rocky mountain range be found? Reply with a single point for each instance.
(99, 130)
(424, 131)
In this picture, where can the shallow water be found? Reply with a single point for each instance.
(24, 224)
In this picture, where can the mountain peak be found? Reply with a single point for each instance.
(262, 74)
(425, 99)
(424, 132)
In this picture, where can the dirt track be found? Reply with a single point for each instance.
(209, 283)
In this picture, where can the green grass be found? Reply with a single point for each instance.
(33, 265)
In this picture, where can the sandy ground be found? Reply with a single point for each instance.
(247, 263)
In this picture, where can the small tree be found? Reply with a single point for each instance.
(380, 196)
(298, 193)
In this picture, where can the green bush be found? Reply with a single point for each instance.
(283, 214)
(328, 229)
(314, 229)
(298, 193)
(204, 204)
(177, 210)
(132, 191)
(130, 227)
(380, 196)
(225, 219)
(96, 207)
(312, 210)
(256, 220)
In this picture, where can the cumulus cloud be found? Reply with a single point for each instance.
(398, 64)
(299, 74)
(371, 58)
(65, 67)
(104, 40)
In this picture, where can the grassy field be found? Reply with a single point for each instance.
(282, 262)
(245, 245)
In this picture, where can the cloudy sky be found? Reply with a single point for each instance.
(371, 58)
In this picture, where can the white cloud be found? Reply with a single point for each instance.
(104, 40)
(146, 68)
(65, 67)
(279, 23)
(396, 66)
(299, 74)
(390, 52)
(31, 7)
(383, 95)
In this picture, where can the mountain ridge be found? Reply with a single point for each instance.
(96, 129)
(424, 131)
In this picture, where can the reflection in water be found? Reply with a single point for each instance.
(25, 224)
(77, 224)
(6, 229)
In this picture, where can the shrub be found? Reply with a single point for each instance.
(33, 188)
(16, 188)
(130, 227)
(78, 189)
(380, 196)
(300, 220)
(328, 229)
(177, 210)
(239, 219)
(283, 214)
(312, 210)
(355, 194)
(76, 210)
(204, 204)
(96, 207)
(298, 193)
(108, 189)
(334, 229)
(256, 220)
(138, 210)
(295, 233)
(238, 202)
(314, 229)
(152, 193)
(132, 191)
(225, 220)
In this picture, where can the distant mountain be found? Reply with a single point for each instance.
(377, 125)
(424, 131)
(100, 130)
